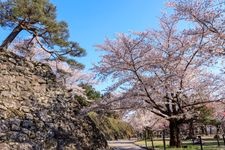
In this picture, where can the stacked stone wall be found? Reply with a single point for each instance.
(38, 113)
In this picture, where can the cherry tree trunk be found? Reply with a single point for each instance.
(175, 137)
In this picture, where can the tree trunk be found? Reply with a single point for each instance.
(217, 129)
(191, 133)
(203, 129)
(210, 129)
(206, 131)
(11, 37)
(175, 139)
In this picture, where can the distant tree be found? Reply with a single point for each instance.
(90, 92)
(205, 118)
(219, 117)
(140, 119)
(205, 115)
(89, 95)
(38, 19)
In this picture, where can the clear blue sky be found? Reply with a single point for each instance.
(91, 21)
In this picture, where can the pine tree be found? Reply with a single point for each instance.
(38, 18)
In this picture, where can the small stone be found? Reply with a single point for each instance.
(3, 107)
(26, 131)
(29, 116)
(27, 124)
(25, 109)
(12, 60)
(22, 137)
(4, 146)
(15, 127)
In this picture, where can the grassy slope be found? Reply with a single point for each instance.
(112, 127)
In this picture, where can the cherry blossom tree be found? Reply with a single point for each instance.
(163, 71)
(140, 119)
(206, 19)
(68, 76)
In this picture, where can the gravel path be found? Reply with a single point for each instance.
(124, 145)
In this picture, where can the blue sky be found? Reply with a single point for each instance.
(91, 21)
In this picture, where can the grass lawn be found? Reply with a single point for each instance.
(209, 144)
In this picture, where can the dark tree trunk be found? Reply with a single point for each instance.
(191, 133)
(210, 129)
(206, 131)
(217, 129)
(202, 129)
(175, 139)
(11, 37)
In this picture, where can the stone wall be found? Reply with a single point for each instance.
(38, 113)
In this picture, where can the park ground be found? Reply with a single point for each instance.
(209, 144)
(124, 145)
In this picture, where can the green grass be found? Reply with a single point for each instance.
(209, 144)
